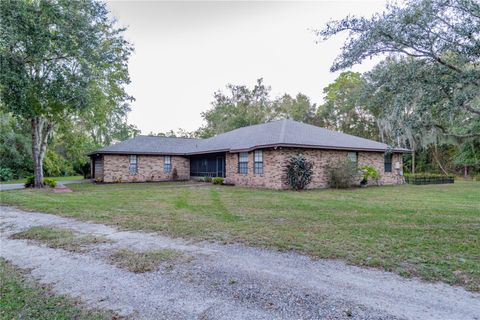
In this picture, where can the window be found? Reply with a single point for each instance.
(258, 162)
(133, 164)
(243, 162)
(353, 157)
(388, 162)
(167, 163)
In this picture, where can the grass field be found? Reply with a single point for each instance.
(21, 298)
(65, 178)
(430, 231)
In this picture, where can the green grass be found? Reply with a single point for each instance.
(429, 231)
(145, 261)
(21, 298)
(59, 238)
(66, 178)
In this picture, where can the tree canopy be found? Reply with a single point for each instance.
(61, 61)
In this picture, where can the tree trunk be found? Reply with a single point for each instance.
(413, 158)
(465, 171)
(41, 130)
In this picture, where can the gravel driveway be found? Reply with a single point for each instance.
(225, 281)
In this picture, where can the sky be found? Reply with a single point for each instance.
(185, 51)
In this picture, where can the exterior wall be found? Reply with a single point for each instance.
(150, 168)
(274, 162)
(97, 167)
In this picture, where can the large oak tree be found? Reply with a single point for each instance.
(55, 56)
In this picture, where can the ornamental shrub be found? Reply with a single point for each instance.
(50, 182)
(299, 172)
(29, 181)
(217, 180)
(342, 174)
(370, 172)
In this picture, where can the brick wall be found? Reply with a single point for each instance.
(150, 168)
(274, 162)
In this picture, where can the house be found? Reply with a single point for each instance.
(249, 156)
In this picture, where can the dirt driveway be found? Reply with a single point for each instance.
(224, 281)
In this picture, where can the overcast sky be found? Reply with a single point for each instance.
(185, 51)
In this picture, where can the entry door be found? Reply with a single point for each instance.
(220, 167)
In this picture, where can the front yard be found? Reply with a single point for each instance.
(427, 231)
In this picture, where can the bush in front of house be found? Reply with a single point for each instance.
(217, 180)
(342, 175)
(369, 173)
(299, 172)
(47, 182)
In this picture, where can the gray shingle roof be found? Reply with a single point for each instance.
(272, 134)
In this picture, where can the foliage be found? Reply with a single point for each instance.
(50, 182)
(15, 145)
(217, 180)
(370, 172)
(345, 108)
(207, 179)
(428, 88)
(55, 165)
(341, 175)
(299, 172)
(29, 181)
(6, 174)
(60, 60)
(298, 108)
(242, 106)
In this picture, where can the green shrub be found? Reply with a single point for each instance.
(29, 181)
(342, 175)
(370, 172)
(6, 174)
(50, 182)
(217, 180)
(299, 172)
(477, 178)
(206, 179)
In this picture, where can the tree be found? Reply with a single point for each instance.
(240, 107)
(53, 54)
(430, 85)
(345, 108)
(15, 146)
(298, 108)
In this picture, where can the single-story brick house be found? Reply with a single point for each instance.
(249, 156)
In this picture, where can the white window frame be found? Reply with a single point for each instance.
(243, 162)
(353, 159)
(133, 163)
(258, 162)
(167, 164)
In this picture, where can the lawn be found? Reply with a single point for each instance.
(22, 298)
(431, 231)
(63, 178)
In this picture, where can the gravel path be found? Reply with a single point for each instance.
(225, 281)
